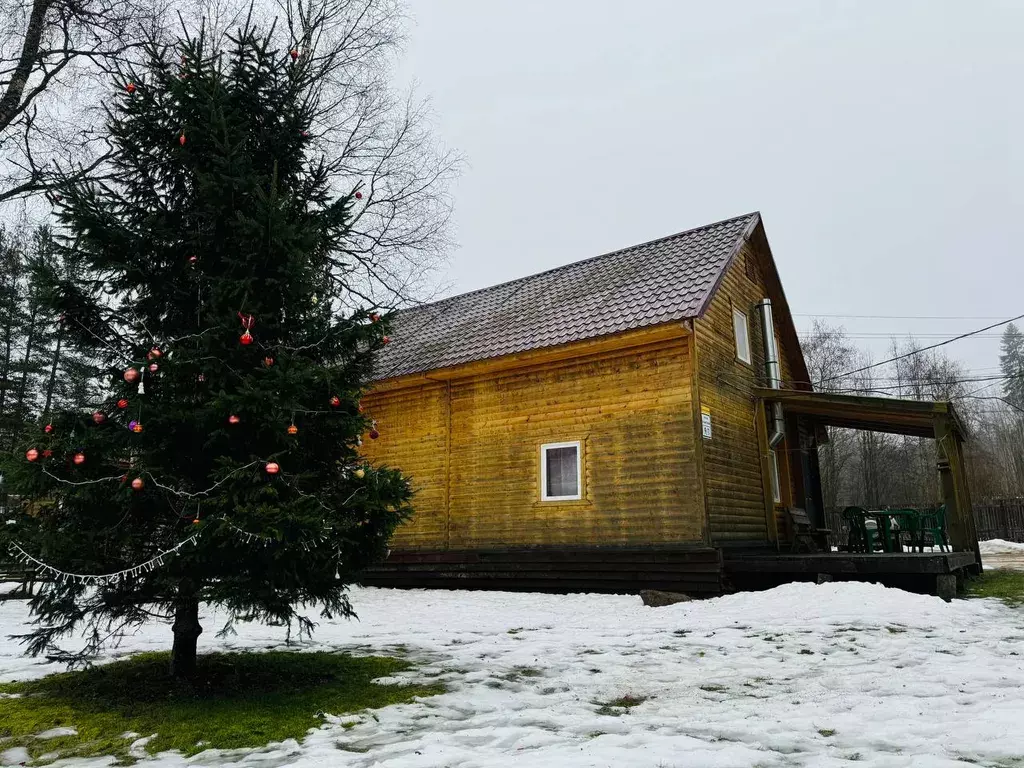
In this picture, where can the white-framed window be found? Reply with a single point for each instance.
(741, 329)
(560, 471)
(773, 466)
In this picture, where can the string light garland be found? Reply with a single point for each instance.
(99, 579)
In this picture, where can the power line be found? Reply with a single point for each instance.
(925, 349)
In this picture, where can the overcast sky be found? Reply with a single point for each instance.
(880, 140)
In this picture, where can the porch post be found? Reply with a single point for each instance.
(954, 488)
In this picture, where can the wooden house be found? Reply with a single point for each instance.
(614, 423)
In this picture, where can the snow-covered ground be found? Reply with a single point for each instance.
(802, 675)
(1003, 555)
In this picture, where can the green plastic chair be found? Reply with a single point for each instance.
(861, 538)
(933, 522)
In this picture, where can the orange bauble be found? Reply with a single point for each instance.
(79, 458)
(31, 454)
(233, 419)
(131, 375)
(137, 484)
(292, 429)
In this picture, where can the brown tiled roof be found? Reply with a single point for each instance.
(661, 281)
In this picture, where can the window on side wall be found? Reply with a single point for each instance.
(742, 332)
(773, 466)
(560, 471)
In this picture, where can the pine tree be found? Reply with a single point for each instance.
(220, 463)
(1011, 363)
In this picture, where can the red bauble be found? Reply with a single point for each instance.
(294, 54)
(268, 361)
(47, 453)
(153, 367)
(360, 407)
(154, 353)
(181, 139)
(79, 458)
(137, 484)
(272, 468)
(130, 87)
(359, 195)
(192, 260)
(131, 375)
(122, 403)
(48, 428)
(385, 339)
(31, 454)
(335, 401)
(292, 429)
(233, 419)
(245, 339)
(374, 317)
(305, 134)
(374, 434)
(99, 417)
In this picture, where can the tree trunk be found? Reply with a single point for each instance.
(52, 381)
(186, 629)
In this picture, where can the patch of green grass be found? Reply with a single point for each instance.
(827, 732)
(806, 652)
(713, 688)
(896, 630)
(518, 673)
(236, 700)
(1008, 586)
(620, 706)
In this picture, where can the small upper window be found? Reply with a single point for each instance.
(774, 468)
(742, 332)
(560, 471)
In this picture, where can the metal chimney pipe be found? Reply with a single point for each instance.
(772, 369)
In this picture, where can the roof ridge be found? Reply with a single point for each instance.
(439, 302)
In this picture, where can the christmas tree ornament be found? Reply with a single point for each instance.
(153, 367)
(335, 401)
(47, 453)
(272, 468)
(233, 419)
(137, 484)
(201, 378)
(385, 339)
(130, 87)
(48, 428)
(137, 428)
(142, 387)
(374, 317)
(132, 374)
(99, 417)
(181, 139)
(268, 361)
(374, 434)
(304, 134)
(31, 454)
(359, 407)
(360, 474)
(292, 429)
(154, 353)
(294, 54)
(192, 260)
(79, 458)
(132, 424)
(359, 195)
(122, 403)
(245, 339)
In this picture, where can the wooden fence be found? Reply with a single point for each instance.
(1000, 519)
(994, 518)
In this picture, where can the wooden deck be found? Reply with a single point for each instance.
(850, 564)
(693, 570)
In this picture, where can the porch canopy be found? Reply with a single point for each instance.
(918, 418)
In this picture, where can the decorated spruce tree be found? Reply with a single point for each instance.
(220, 465)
